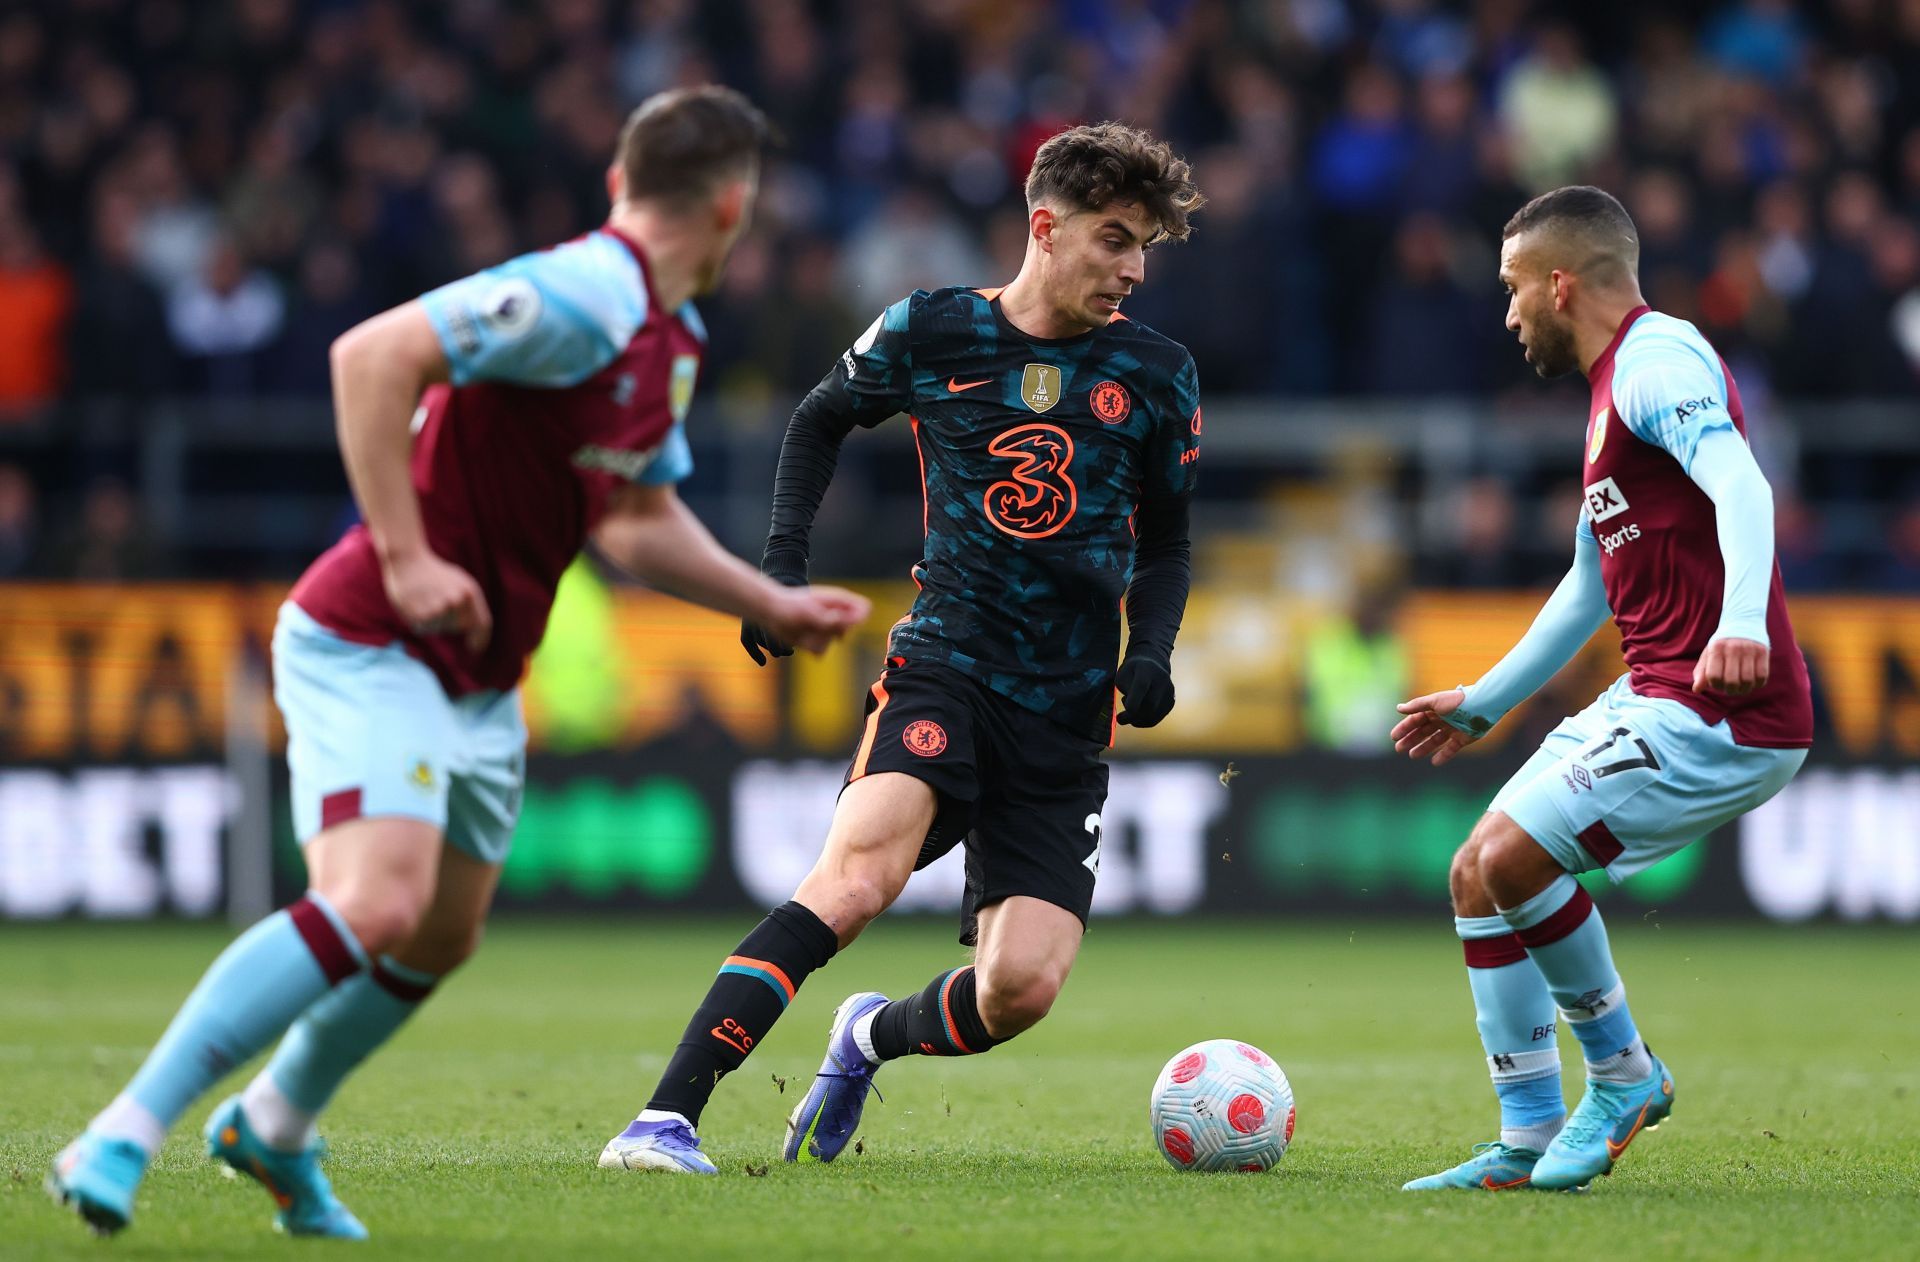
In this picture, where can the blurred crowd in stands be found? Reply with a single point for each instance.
(195, 198)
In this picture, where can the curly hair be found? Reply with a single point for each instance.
(1098, 163)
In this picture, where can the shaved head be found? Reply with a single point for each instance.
(1581, 230)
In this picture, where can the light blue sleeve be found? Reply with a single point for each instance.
(1671, 390)
(1668, 386)
(552, 319)
(1723, 466)
(1562, 627)
(672, 463)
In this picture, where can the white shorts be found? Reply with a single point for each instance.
(1630, 779)
(371, 732)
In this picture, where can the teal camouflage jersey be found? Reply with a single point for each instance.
(1035, 454)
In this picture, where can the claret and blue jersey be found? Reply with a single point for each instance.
(566, 381)
(1665, 411)
(1035, 455)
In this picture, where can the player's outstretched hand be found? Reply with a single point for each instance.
(1146, 691)
(1424, 734)
(810, 618)
(1733, 667)
(436, 597)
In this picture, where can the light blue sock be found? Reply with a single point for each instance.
(263, 980)
(1564, 935)
(1515, 1015)
(333, 1036)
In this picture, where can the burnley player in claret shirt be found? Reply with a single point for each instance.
(1058, 442)
(489, 428)
(1712, 718)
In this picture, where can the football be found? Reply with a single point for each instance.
(1222, 1105)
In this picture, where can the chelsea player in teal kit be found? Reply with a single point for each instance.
(1058, 443)
(546, 399)
(1712, 718)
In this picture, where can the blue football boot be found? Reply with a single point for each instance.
(670, 1145)
(823, 1122)
(1494, 1167)
(307, 1205)
(1599, 1130)
(96, 1176)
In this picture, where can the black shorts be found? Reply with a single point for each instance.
(1023, 792)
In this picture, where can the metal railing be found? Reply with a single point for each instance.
(262, 479)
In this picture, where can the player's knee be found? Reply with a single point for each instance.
(1014, 1001)
(1463, 879)
(865, 895)
(1512, 865)
(848, 889)
(846, 901)
(439, 949)
(381, 920)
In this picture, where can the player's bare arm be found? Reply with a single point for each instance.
(379, 369)
(486, 428)
(651, 534)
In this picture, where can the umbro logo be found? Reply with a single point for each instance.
(1593, 1002)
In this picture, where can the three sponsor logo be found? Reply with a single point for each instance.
(1038, 496)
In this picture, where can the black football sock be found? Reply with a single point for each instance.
(942, 1020)
(755, 985)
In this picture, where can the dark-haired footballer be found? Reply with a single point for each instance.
(1712, 718)
(1057, 444)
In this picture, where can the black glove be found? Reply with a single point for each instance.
(755, 638)
(1146, 691)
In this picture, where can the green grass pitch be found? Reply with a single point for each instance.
(1796, 1133)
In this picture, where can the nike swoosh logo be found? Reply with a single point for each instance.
(1614, 1150)
(1486, 1181)
(729, 1040)
(955, 385)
